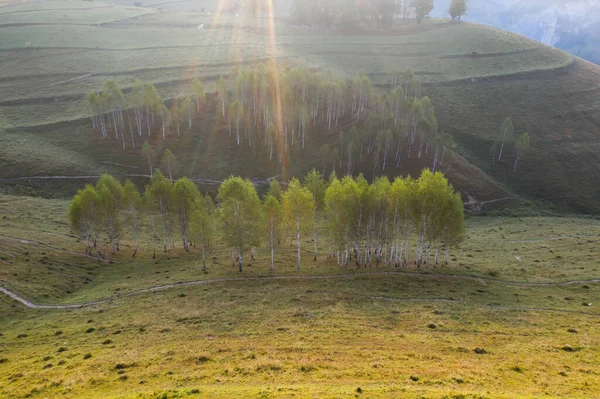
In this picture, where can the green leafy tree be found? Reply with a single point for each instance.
(273, 215)
(400, 198)
(506, 132)
(177, 113)
(316, 185)
(169, 162)
(458, 8)
(159, 200)
(275, 189)
(198, 92)
(132, 204)
(235, 113)
(186, 200)
(113, 99)
(342, 201)
(148, 154)
(78, 221)
(110, 193)
(432, 189)
(522, 146)
(151, 99)
(298, 207)
(239, 213)
(222, 87)
(202, 226)
(421, 8)
(91, 212)
(187, 109)
(379, 222)
(454, 233)
(136, 102)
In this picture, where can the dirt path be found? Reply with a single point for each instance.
(32, 305)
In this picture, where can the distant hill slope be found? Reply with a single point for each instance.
(475, 75)
(571, 25)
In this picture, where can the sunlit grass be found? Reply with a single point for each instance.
(389, 335)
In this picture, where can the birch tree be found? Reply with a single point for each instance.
(431, 190)
(186, 200)
(78, 220)
(110, 193)
(235, 112)
(222, 87)
(137, 103)
(298, 207)
(132, 204)
(159, 198)
(506, 132)
(316, 185)
(272, 215)
(187, 109)
(202, 227)
(169, 162)
(198, 93)
(522, 146)
(239, 213)
(148, 153)
(91, 213)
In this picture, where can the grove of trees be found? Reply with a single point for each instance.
(283, 109)
(521, 144)
(383, 222)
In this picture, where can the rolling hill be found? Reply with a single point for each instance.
(571, 25)
(475, 75)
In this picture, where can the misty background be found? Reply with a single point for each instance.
(571, 25)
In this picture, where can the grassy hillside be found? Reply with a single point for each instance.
(475, 75)
(321, 332)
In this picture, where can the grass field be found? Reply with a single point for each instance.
(321, 332)
(514, 314)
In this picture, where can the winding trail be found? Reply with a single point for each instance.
(32, 305)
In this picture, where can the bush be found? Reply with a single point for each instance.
(87, 356)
